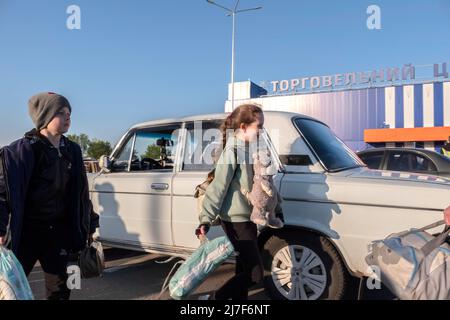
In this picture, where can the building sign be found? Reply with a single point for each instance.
(408, 74)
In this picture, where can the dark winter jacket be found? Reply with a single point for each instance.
(48, 197)
(18, 163)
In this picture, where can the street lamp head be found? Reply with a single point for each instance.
(218, 5)
(249, 9)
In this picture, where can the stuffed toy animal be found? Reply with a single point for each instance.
(264, 196)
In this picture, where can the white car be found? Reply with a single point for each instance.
(334, 206)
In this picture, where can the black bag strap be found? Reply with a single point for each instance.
(433, 225)
(430, 226)
(436, 242)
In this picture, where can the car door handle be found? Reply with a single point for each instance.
(160, 186)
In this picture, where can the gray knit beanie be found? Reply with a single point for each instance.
(43, 107)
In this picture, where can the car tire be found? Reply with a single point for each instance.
(319, 275)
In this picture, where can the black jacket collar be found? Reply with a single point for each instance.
(35, 136)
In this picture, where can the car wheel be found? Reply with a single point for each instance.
(303, 267)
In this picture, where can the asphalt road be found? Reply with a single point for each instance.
(136, 276)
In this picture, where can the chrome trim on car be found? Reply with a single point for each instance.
(360, 204)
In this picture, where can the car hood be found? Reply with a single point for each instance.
(387, 188)
(365, 173)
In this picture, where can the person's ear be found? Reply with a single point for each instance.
(243, 127)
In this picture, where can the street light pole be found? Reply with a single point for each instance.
(232, 13)
(233, 52)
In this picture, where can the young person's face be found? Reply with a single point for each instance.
(250, 132)
(60, 124)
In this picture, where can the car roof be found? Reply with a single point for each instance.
(275, 119)
(215, 116)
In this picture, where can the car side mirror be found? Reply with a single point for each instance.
(105, 163)
(296, 160)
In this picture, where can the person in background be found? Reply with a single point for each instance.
(45, 210)
(446, 148)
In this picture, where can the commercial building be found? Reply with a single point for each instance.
(390, 107)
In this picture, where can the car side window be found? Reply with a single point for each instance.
(420, 163)
(122, 160)
(373, 159)
(399, 161)
(155, 149)
(203, 142)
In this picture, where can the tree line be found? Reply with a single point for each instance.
(92, 148)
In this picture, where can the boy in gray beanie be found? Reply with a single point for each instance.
(43, 107)
(44, 194)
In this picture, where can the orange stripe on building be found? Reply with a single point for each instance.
(406, 134)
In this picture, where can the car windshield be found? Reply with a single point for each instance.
(333, 153)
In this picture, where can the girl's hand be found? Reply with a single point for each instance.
(447, 216)
(202, 230)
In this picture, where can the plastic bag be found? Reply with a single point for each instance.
(199, 265)
(13, 281)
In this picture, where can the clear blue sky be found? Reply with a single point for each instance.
(139, 60)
